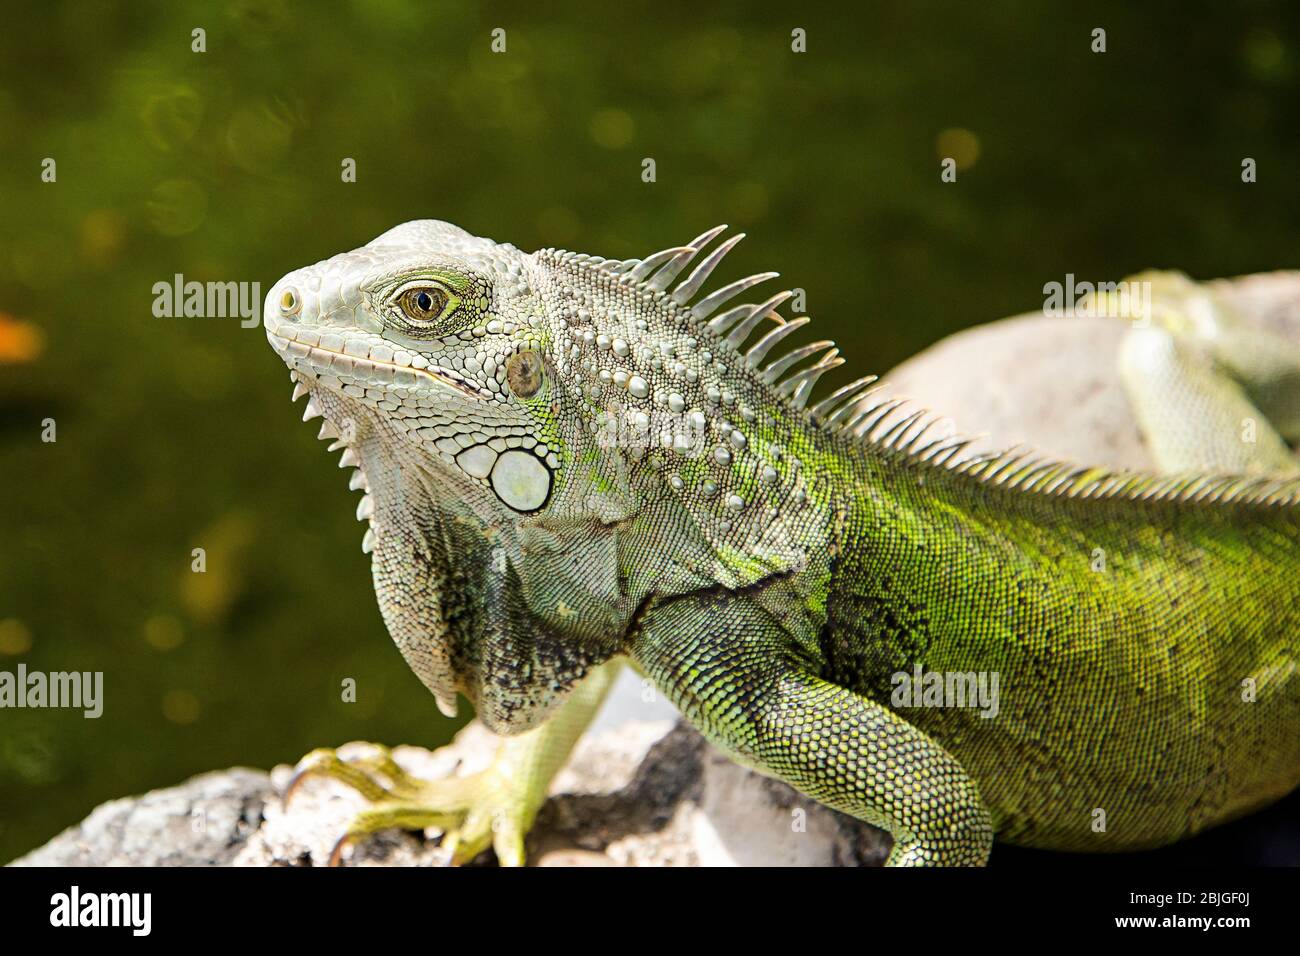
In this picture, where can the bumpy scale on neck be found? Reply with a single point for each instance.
(691, 448)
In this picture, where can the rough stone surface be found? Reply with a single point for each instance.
(1053, 384)
(205, 821)
(643, 793)
(1049, 383)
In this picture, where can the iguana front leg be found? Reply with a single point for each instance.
(727, 664)
(495, 807)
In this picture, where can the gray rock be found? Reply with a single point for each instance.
(644, 793)
(1053, 384)
(1047, 383)
(203, 822)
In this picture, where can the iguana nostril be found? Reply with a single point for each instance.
(289, 302)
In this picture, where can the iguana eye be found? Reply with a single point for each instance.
(289, 304)
(425, 303)
(524, 373)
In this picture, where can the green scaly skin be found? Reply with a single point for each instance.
(771, 567)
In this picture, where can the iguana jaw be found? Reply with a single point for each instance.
(317, 361)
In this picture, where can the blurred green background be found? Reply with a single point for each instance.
(225, 165)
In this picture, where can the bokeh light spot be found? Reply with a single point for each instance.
(960, 144)
(163, 632)
(177, 206)
(15, 637)
(19, 341)
(171, 118)
(612, 128)
(181, 707)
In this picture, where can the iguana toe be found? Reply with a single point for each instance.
(473, 812)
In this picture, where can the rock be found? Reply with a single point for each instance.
(643, 793)
(1053, 384)
(203, 822)
(1047, 383)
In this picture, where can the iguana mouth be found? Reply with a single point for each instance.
(317, 359)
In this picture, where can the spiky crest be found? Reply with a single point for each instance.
(893, 424)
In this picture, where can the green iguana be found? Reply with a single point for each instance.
(571, 462)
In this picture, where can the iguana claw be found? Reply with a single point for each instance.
(473, 812)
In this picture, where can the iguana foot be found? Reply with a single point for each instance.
(473, 812)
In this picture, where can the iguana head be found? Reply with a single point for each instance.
(545, 439)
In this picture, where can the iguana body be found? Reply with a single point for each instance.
(571, 461)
